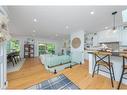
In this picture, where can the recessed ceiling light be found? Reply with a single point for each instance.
(92, 12)
(35, 20)
(56, 35)
(106, 27)
(34, 31)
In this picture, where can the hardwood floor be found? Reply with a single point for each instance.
(34, 72)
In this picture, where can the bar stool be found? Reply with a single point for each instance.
(100, 58)
(124, 70)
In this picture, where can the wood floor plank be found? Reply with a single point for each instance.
(34, 72)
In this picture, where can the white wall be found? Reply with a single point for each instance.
(58, 44)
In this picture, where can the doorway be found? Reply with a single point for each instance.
(13, 55)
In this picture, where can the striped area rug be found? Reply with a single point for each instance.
(60, 82)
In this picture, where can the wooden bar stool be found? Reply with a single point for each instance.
(124, 69)
(103, 59)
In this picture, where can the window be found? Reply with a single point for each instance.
(51, 48)
(45, 48)
(13, 45)
(124, 15)
(42, 49)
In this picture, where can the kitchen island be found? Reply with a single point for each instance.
(117, 61)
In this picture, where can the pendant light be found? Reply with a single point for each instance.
(114, 26)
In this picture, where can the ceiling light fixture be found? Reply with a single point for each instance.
(106, 27)
(114, 22)
(92, 12)
(56, 35)
(35, 20)
(34, 31)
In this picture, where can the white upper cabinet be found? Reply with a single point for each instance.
(123, 37)
(95, 40)
(108, 36)
(120, 35)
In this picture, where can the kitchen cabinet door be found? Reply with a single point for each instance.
(86, 55)
(108, 36)
(123, 37)
(95, 40)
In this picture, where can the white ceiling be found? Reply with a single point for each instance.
(52, 20)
